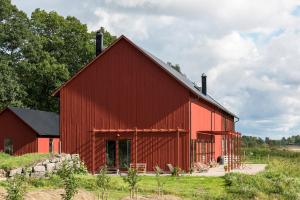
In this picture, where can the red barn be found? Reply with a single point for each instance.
(28, 131)
(127, 106)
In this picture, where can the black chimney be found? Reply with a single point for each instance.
(99, 42)
(204, 88)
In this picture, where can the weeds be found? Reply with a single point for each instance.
(16, 187)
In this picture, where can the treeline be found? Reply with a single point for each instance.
(39, 53)
(251, 141)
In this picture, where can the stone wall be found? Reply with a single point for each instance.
(45, 167)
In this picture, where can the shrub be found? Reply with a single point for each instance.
(16, 187)
(66, 173)
(79, 166)
(103, 183)
(176, 171)
(132, 180)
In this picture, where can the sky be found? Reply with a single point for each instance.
(249, 49)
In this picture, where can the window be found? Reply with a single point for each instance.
(8, 146)
(51, 145)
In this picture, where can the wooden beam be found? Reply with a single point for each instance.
(138, 130)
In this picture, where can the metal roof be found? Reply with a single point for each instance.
(44, 123)
(188, 83)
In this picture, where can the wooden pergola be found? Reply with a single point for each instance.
(233, 144)
(135, 132)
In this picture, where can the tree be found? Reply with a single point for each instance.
(14, 31)
(11, 91)
(40, 80)
(39, 53)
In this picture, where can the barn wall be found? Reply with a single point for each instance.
(23, 137)
(124, 89)
(43, 145)
(206, 117)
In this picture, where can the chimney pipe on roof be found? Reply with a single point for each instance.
(99, 42)
(204, 88)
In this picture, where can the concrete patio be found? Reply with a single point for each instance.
(251, 169)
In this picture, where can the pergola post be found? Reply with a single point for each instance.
(93, 151)
(136, 144)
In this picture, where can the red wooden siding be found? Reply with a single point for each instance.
(124, 89)
(43, 145)
(23, 137)
(205, 117)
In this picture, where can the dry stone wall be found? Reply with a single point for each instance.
(42, 168)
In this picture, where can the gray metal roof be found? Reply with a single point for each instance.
(188, 83)
(44, 123)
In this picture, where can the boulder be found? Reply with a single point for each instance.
(68, 157)
(38, 174)
(50, 167)
(39, 168)
(46, 162)
(3, 173)
(13, 172)
(58, 165)
(75, 156)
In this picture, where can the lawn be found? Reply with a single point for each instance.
(281, 180)
(10, 162)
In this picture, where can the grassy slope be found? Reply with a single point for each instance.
(10, 162)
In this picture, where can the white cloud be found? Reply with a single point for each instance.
(249, 49)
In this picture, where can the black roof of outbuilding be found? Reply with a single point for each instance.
(44, 123)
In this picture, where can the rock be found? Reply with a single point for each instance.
(38, 174)
(55, 160)
(50, 167)
(75, 156)
(39, 169)
(46, 162)
(68, 157)
(3, 173)
(13, 172)
(58, 165)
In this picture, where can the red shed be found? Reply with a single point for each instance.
(28, 131)
(127, 107)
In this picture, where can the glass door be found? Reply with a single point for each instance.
(124, 153)
(111, 153)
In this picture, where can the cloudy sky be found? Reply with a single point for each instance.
(250, 49)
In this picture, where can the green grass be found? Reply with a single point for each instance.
(186, 187)
(11, 162)
(281, 180)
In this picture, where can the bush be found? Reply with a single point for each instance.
(176, 171)
(103, 183)
(79, 166)
(16, 187)
(132, 180)
(66, 173)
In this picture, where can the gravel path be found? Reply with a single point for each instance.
(246, 169)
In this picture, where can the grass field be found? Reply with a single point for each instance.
(281, 180)
(10, 162)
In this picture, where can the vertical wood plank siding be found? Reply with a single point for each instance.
(24, 139)
(124, 89)
(205, 117)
